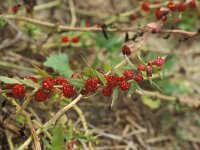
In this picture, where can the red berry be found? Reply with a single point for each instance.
(151, 62)
(192, 4)
(126, 50)
(145, 6)
(65, 39)
(34, 79)
(128, 74)
(112, 80)
(149, 71)
(172, 6)
(138, 78)
(107, 91)
(59, 80)
(75, 39)
(91, 85)
(15, 8)
(47, 84)
(181, 6)
(159, 61)
(133, 17)
(18, 91)
(121, 78)
(141, 68)
(40, 95)
(160, 14)
(68, 90)
(124, 85)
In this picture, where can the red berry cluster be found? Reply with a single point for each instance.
(66, 39)
(49, 85)
(163, 10)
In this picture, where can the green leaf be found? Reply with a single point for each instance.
(31, 29)
(80, 83)
(115, 96)
(141, 60)
(40, 71)
(2, 22)
(8, 80)
(20, 119)
(46, 143)
(101, 77)
(153, 104)
(58, 138)
(153, 83)
(132, 89)
(60, 63)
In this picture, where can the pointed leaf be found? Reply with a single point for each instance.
(101, 77)
(29, 83)
(80, 83)
(8, 80)
(115, 96)
(58, 138)
(40, 71)
(132, 89)
(60, 63)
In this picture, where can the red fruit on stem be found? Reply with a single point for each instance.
(141, 68)
(91, 85)
(107, 91)
(126, 50)
(59, 80)
(68, 90)
(40, 95)
(159, 61)
(124, 85)
(47, 84)
(128, 74)
(15, 8)
(151, 62)
(75, 39)
(192, 4)
(133, 17)
(121, 78)
(149, 71)
(145, 6)
(160, 14)
(112, 80)
(65, 39)
(181, 6)
(18, 91)
(172, 6)
(138, 78)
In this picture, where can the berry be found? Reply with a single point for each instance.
(181, 6)
(192, 4)
(172, 6)
(133, 17)
(160, 14)
(68, 90)
(145, 6)
(149, 71)
(65, 39)
(91, 85)
(121, 78)
(59, 80)
(47, 84)
(124, 85)
(75, 39)
(34, 79)
(141, 68)
(107, 91)
(128, 74)
(18, 91)
(40, 95)
(138, 78)
(159, 61)
(151, 62)
(15, 8)
(112, 80)
(126, 50)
